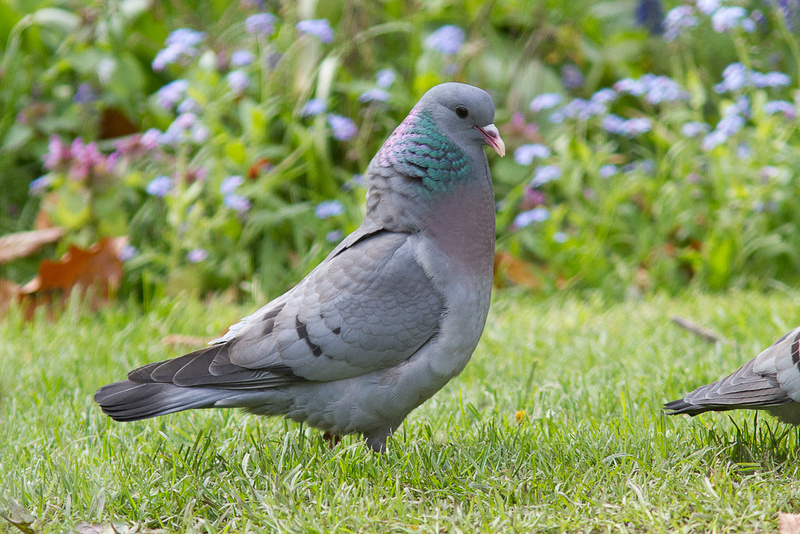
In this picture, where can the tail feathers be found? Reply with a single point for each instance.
(129, 401)
(741, 389)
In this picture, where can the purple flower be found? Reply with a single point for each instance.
(328, 208)
(545, 101)
(694, 128)
(238, 81)
(607, 171)
(160, 186)
(734, 77)
(531, 198)
(197, 255)
(237, 203)
(525, 154)
(85, 94)
(656, 89)
(313, 107)
(447, 39)
(560, 237)
(334, 236)
(707, 7)
(356, 181)
(128, 252)
(677, 19)
(172, 93)
(241, 58)
(385, 78)
(728, 18)
(781, 106)
(230, 184)
(319, 28)
(545, 174)
(571, 77)
(150, 138)
(771, 79)
(374, 95)
(57, 152)
(525, 218)
(730, 125)
(260, 24)
(743, 151)
(343, 128)
(630, 86)
(39, 185)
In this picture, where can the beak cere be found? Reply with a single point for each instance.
(492, 137)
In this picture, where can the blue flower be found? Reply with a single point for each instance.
(629, 128)
(328, 208)
(525, 154)
(237, 202)
(343, 128)
(694, 128)
(604, 96)
(560, 237)
(728, 18)
(447, 39)
(39, 185)
(771, 79)
(713, 139)
(730, 125)
(374, 95)
(242, 58)
(160, 186)
(149, 139)
(185, 37)
(781, 106)
(707, 7)
(384, 78)
(238, 81)
(85, 94)
(319, 28)
(571, 77)
(180, 43)
(334, 236)
(230, 184)
(313, 107)
(607, 171)
(545, 101)
(656, 89)
(525, 218)
(581, 109)
(197, 255)
(545, 174)
(677, 19)
(128, 252)
(260, 24)
(189, 105)
(171, 94)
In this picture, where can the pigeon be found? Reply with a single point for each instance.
(770, 381)
(386, 320)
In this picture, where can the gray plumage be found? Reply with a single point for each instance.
(386, 320)
(770, 381)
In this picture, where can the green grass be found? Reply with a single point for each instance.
(595, 453)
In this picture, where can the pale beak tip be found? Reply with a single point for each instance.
(493, 139)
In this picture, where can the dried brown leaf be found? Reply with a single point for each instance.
(514, 270)
(23, 244)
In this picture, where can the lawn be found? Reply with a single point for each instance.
(592, 452)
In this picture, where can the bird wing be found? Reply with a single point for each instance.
(368, 306)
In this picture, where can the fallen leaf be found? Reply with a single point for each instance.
(19, 517)
(8, 291)
(516, 271)
(789, 523)
(115, 123)
(97, 268)
(23, 244)
(118, 528)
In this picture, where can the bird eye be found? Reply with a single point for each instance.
(462, 112)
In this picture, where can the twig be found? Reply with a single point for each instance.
(696, 329)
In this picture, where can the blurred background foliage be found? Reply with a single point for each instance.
(653, 144)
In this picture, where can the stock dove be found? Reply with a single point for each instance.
(386, 320)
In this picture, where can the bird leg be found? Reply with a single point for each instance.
(332, 439)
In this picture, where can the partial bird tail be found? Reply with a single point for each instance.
(131, 401)
(681, 406)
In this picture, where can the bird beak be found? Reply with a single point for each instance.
(492, 137)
